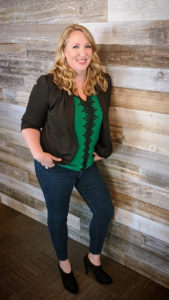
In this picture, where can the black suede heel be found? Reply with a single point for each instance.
(100, 275)
(69, 281)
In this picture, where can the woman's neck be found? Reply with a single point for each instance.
(80, 80)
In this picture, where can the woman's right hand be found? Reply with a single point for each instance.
(32, 138)
(46, 159)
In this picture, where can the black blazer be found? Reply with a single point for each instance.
(51, 110)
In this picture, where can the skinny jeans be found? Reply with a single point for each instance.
(57, 184)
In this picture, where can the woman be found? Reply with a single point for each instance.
(66, 128)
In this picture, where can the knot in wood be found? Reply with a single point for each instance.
(161, 75)
(81, 10)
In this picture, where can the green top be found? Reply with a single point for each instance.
(87, 123)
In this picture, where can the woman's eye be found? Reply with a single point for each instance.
(88, 46)
(75, 46)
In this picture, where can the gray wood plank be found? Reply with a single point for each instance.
(130, 10)
(53, 12)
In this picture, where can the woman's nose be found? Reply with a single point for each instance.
(82, 51)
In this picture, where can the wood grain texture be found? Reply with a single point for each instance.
(12, 138)
(14, 96)
(1, 95)
(129, 184)
(22, 67)
(136, 119)
(53, 12)
(149, 141)
(10, 116)
(11, 81)
(11, 50)
(141, 56)
(145, 225)
(130, 10)
(153, 142)
(28, 33)
(140, 100)
(153, 33)
(141, 208)
(140, 78)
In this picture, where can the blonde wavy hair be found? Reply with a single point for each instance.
(64, 76)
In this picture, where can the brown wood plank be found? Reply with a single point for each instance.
(137, 119)
(142, 208)
(140, 100)
(141, 56)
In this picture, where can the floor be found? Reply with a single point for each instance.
(28, 267)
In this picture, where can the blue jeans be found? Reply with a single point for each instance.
(57, 184)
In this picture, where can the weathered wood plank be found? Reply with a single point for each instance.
(139, 155)
(22, 188)
(36, 214)
(53, 12)
(152, 169)
(1, 95)
(14, 171)
(23, 198)
(131, 33)
(141, 10)
(23, 163)
(11, 50)
(140, 56)
(41, 51)
(140, 100)
(14, 160)
(15, 96)
(23, 67)
(140, 78)
(123, 33)
(140, 139)
(21, 33)
(10, 116)
(141, 208)
(138, 238)
(12, 137)
(145, 262)
(146, 140)
(11, 81)
(136, 119)
(23, 208)
(17, 150)
(154, 229)
(132, 186)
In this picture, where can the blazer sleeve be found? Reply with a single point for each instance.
(109, 88)
(37, 107)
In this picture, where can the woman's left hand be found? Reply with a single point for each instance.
(97, 157)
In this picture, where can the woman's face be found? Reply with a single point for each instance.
(78, 52)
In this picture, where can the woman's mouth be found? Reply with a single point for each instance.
(82, 61)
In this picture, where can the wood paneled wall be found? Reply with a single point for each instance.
(133, 43)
